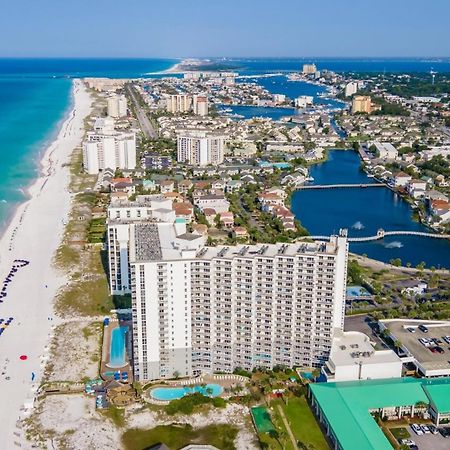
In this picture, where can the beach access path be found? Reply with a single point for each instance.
(34, 234)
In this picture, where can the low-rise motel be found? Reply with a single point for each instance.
(346, 408)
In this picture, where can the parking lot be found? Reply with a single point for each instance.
(424, 356)
(430, 441)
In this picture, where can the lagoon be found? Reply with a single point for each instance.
(363, 212)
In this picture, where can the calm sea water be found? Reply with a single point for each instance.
(363, 212)
(35, 96)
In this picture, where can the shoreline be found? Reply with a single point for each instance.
(38, 161)
(33, 234)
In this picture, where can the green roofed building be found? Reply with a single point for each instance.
(346, 408)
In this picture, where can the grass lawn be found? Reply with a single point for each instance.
(175, 437)
(400, 433)
(303, 423)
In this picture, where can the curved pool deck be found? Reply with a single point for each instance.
(167, 394)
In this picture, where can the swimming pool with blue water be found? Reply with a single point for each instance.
(174, 393)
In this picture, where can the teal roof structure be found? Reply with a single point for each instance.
(346, 406)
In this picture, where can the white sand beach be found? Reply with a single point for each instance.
(34, 235)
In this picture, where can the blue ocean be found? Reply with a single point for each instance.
(35, 97)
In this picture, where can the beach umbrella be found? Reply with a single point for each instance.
(23, 357)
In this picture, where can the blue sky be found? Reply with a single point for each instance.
(177, 28)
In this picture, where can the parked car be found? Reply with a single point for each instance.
(425, 429)
(423, 328)
(411, 444)
(445, 432)
(411, 329)
(433, 429)
(417, 429)
(446, 339)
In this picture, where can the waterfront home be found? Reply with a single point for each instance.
(440, 210)
(435, 195)
(385, 150)
(401, 179)
(294, 179)
(416, 188)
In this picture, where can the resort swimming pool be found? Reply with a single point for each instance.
(117, 348)
(174, 393)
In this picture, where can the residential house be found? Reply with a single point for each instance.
(416, 188)
(210, 215)
(184, 210)
(401, 179)
(184, 186)
(441, 210)
(227, 219)
(218, 202)
(167, 186)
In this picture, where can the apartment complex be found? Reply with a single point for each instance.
(351, 88)
(200, 105)
(309, 69)
(117, 106)
(178, 103)
(361, 104)
(200, 148)
(200, 309)
(109, 151)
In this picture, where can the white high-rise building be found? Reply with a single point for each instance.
(200, 105)
(200, 148)
(122, 213)
(351, 88)
(178, 103)
(103, 151)
(309, 69)
(203, 309)
(117, 106)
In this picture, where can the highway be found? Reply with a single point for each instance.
(146, 126)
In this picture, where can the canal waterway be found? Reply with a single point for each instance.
(363, 211)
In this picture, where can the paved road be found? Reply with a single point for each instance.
(144, 122)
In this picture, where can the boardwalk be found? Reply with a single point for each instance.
(340, 186)
(381, 234)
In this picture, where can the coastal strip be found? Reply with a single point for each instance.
(33, 235)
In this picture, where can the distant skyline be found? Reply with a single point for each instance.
(236, 28)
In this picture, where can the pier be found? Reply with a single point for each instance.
(382, 234)
(341, 186)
